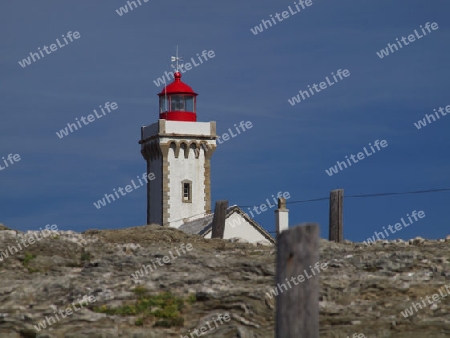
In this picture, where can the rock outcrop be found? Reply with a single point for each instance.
(153, 281)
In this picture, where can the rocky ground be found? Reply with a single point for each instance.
(363, 291)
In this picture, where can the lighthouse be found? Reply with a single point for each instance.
(178, 150)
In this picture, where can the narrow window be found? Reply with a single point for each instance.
(187, 191)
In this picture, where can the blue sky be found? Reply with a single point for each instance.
(251, 77)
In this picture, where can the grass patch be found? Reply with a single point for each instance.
(165, 308)
(85, 257)
(31, 270)
(140, 290)
(192, 298)
(27, 259)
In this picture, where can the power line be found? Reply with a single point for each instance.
(327, 198)
(365, 195)
(203, 213)
(313, 200)
(400, 193)
(292, 202)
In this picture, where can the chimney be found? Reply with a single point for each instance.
(281, 216)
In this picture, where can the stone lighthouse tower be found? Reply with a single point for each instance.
(178, 152)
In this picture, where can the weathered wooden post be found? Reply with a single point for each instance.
(336, 231)
(281, 216)
(297, 309)
(218, 225)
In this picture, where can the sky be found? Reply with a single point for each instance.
(117, 58)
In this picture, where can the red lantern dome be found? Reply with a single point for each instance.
(177, 101)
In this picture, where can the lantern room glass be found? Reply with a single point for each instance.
(164, 104)
(177, 102)
(189, 103)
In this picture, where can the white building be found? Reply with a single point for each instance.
(237, 225)
(178, 152)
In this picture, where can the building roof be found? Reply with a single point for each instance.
(177, 87)
(203, 226)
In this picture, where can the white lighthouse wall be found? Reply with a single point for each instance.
(155, 192)
(166, 127)
(181, 169)
(188, 128)
(150, 130)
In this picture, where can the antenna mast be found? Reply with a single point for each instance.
(176, 59)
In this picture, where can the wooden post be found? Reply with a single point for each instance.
(218, 225)
(297, 309)
(336, 230)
